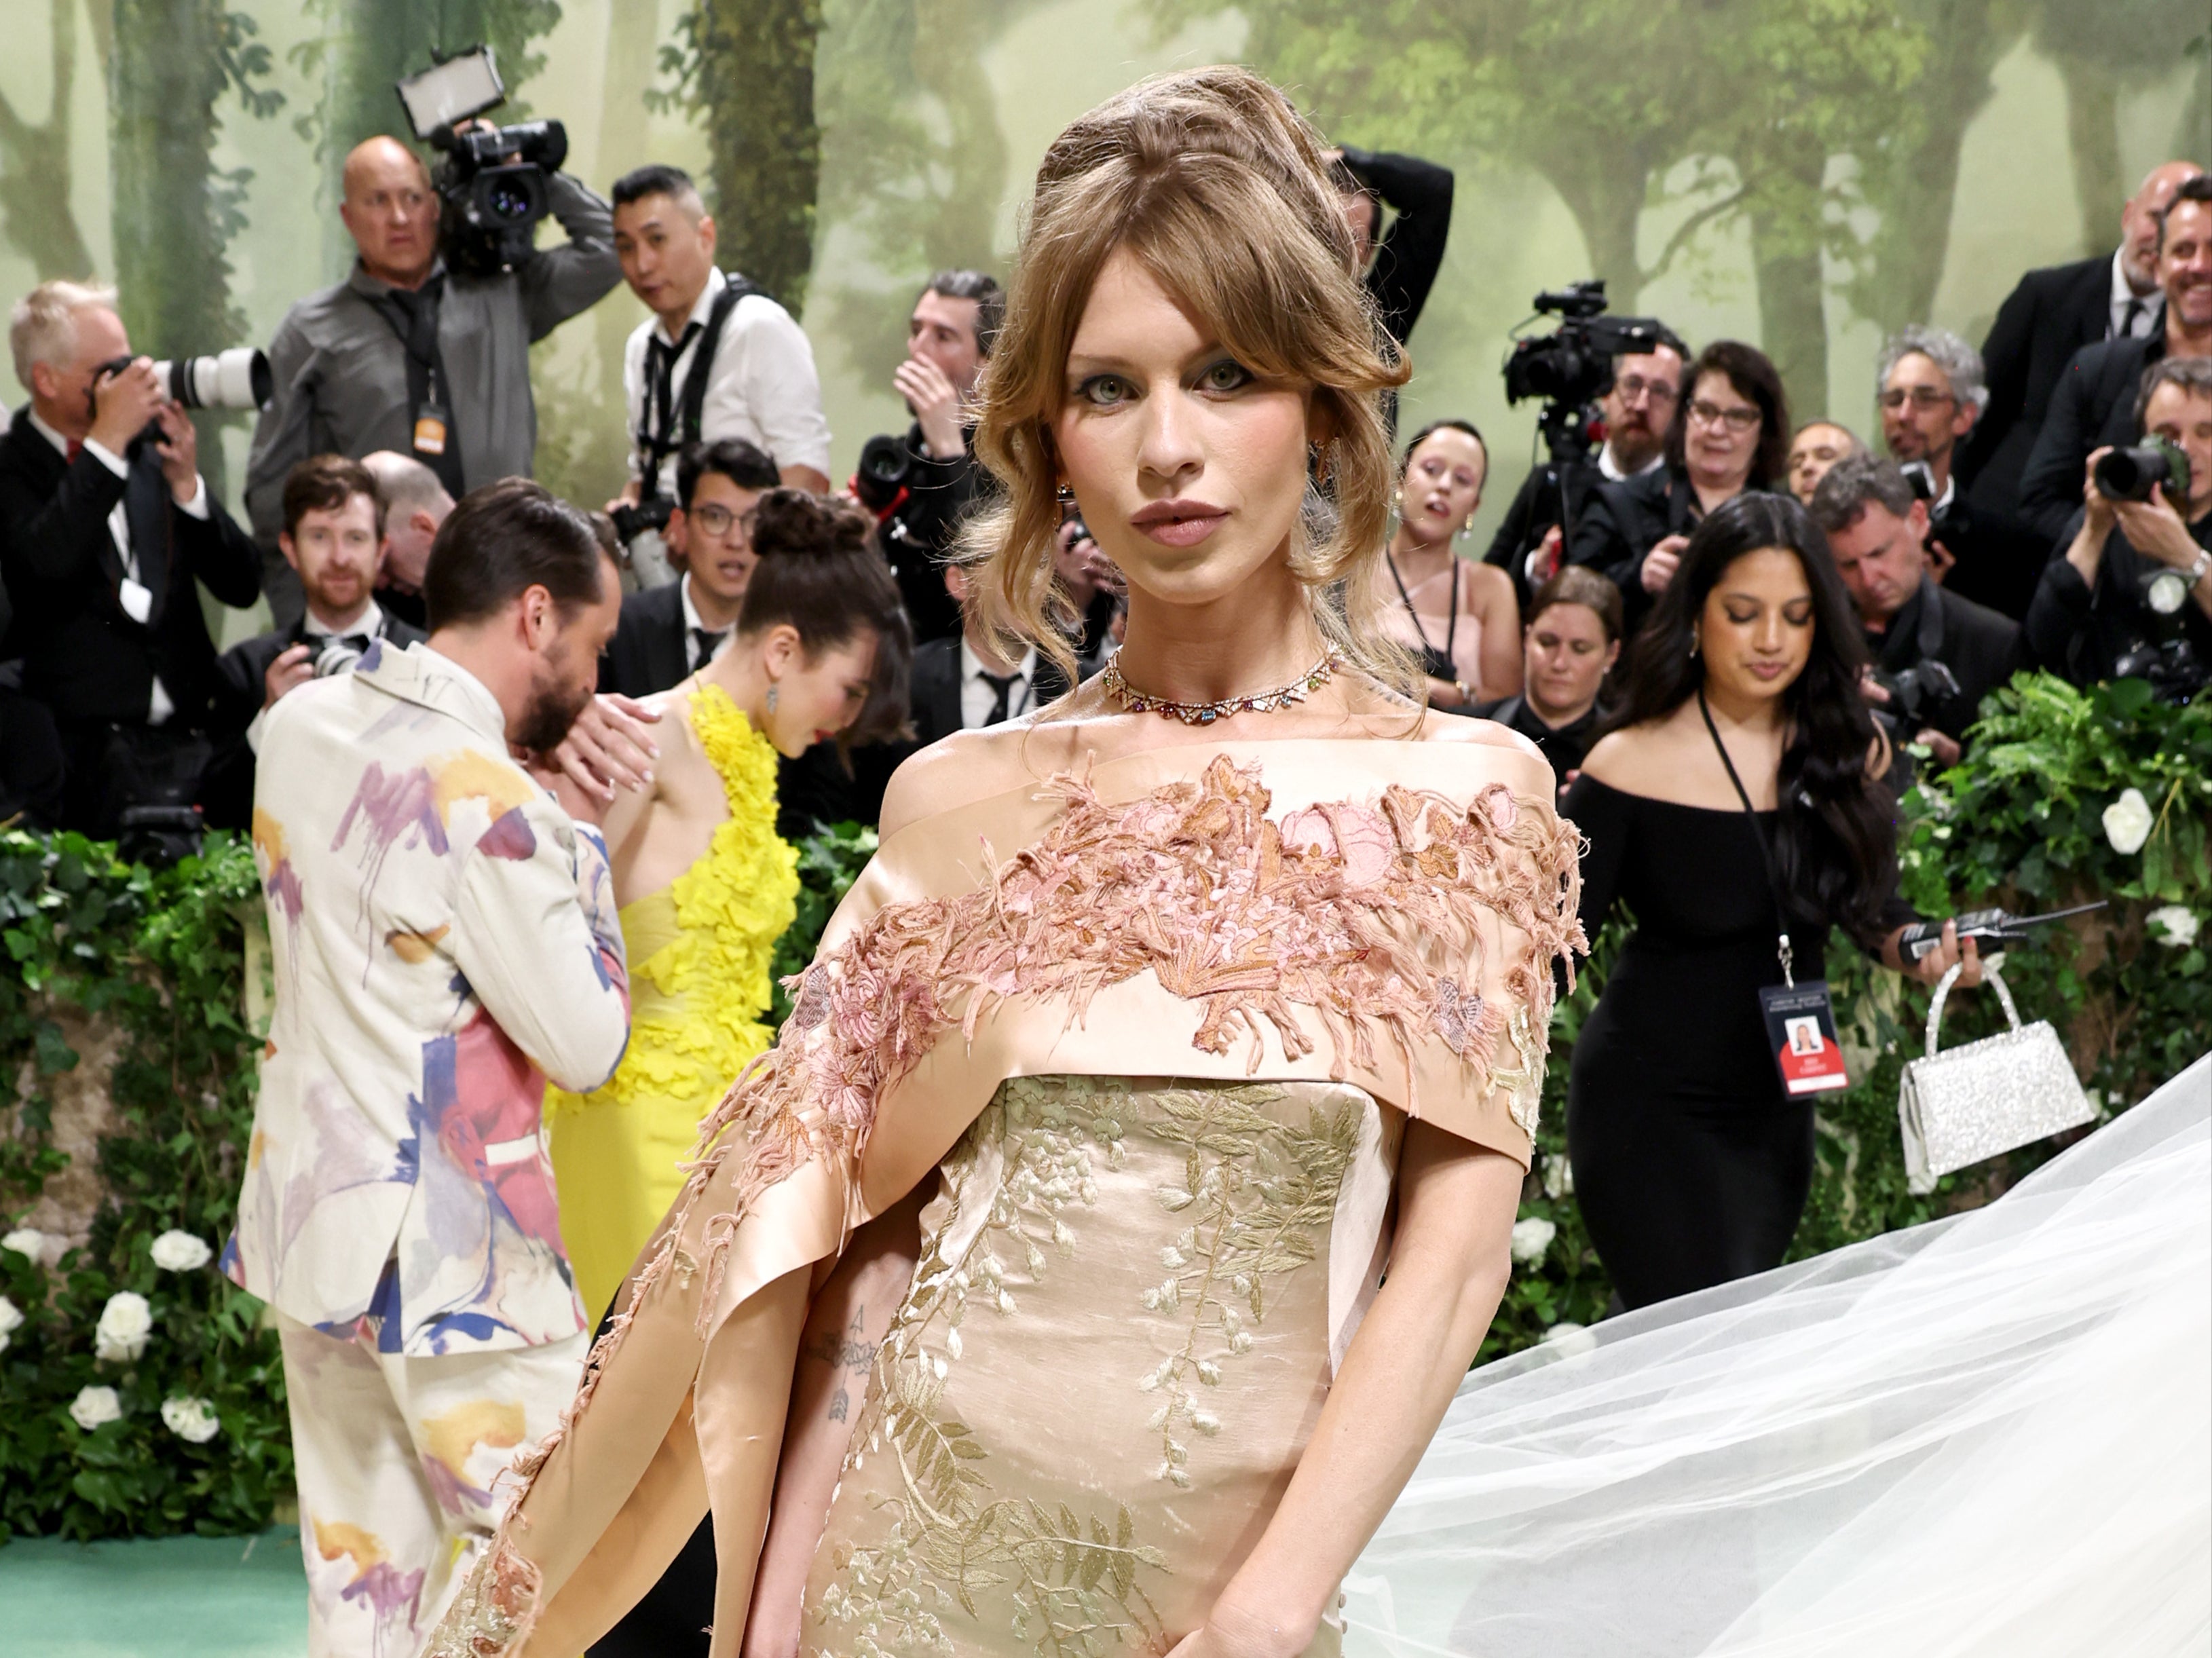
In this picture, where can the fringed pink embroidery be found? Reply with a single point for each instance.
(1367, 916)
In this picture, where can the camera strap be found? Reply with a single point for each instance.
(1800, 1019)
(671, 425)
(414, 317)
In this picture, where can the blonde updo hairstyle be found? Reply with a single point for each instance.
(1222, 192)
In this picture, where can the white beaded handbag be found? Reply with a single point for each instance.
(1971, 1102)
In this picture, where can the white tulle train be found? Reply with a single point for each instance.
(1989, 1434)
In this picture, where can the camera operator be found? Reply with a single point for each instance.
(104, 526)
(922, 485)
(334, 519)
(1936, 654)
(1639, 411)
(1818, 445)
(759, 384)
(2094, 402)
(414, 504)
(669, 632)
(404, 355)
(2132, 597)
(1731, 438)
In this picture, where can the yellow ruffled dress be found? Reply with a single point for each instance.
(699, 952)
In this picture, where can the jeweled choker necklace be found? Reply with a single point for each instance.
(1204, 714)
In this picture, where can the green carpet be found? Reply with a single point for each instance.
(171, 1597)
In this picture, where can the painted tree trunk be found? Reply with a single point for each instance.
(35, 166)
(1784, 214)
(757, 90)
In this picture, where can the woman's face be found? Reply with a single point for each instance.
(1189, 470)
(1755, 632)
(1722, 437)
(1443, 485)
(817, 697)
(1567, 655)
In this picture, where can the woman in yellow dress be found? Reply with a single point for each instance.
(705, 884)
(1030, 1298)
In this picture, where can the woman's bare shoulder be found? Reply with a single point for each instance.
(954, 771)
(1635, 760)
(1524, 758)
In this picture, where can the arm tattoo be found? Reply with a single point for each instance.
(844, 1351)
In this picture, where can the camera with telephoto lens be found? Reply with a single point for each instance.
(632, 521)
(2131, 474)
(492, 181)
(1572, 367)
(236, 379)
(884, 467)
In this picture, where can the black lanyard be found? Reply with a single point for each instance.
(1765, 857)
(1451, 624)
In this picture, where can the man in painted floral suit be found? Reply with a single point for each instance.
(444, 935)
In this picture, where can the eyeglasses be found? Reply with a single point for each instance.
(1635, 386)
(1711, 414)
(1920, 396)
(716, 519)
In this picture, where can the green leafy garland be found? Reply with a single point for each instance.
(2039, 816)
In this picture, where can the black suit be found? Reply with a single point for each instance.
(1534, 510)
(1621, 522)
(649, 652)
(1979, 647)
(83, 655)
(934, 687)
(2050, 316)
(2094, 404)
(227, 798)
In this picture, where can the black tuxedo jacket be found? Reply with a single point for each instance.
(933, 684)
(243, 668)
(83, 656)
(648, 652)
(2094, 404)
(2050, 316)
(1980, 646)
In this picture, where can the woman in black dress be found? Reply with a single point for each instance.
(1691, 1162)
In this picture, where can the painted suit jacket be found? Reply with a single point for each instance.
(445, 939)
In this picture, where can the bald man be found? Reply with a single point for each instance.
(405, 356)
(2052, 314)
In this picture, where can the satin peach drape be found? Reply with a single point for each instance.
(1381, 913)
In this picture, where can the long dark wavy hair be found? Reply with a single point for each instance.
(1755, 378)
(1835, 837)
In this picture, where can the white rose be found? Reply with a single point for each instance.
(179, 1252)
(124, 1324)
(2127, 822)
(1570, 1338)
(193, 1420)
(93, 1406)
(1531, 1237)
(29, 1241)
(2175, 927)
(1559, 1179)
(12, 1320)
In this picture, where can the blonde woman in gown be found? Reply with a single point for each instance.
(706, 885)
(1179, 1011)
(1460, 617)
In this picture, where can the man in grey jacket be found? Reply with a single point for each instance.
(404, 356)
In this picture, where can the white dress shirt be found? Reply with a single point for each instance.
(2123, 294)
(978, 695)
(694, 624)
(137, 600)
(1611, 468)
(764, 388)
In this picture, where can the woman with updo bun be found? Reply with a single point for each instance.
(1028, 1297)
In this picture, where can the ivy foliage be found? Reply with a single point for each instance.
(2020, 824)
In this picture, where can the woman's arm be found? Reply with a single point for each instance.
(849, 1320)
(1499, 612)
(1448, 1269)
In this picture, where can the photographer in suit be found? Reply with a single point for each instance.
(104, 528)
(2132, 595)
(334, 519)
(2095, 401)
(669, 632)
(2053, 314)
(1936, 653)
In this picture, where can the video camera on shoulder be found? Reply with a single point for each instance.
(492, 182)
(1572, 367)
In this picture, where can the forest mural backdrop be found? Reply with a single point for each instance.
(1805, 173)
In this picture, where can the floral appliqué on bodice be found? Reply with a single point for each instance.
(704, 1027)
(1125, 1244)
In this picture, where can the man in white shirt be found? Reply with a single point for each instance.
(104, 527)
(760, 384)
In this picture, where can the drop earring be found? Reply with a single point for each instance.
(1066, 494)
(771, 695)
(1693, 645)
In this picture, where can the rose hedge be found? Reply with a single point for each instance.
(2023, 823)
